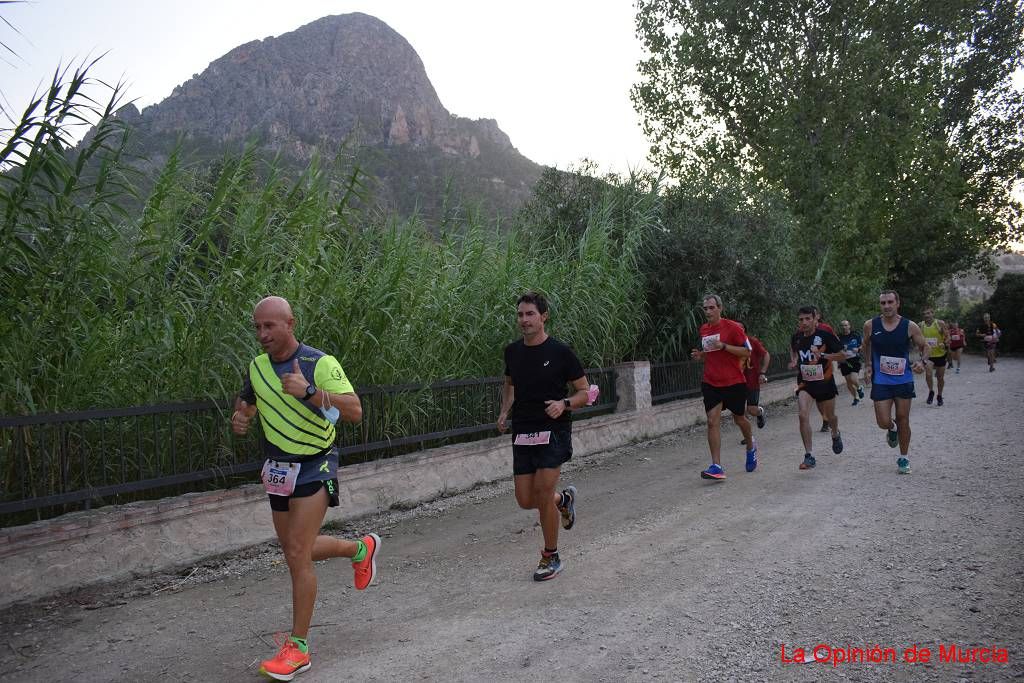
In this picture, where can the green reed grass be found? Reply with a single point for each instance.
(109, 305)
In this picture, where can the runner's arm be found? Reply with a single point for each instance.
(920, 342)
(866, 350)
(508, 395)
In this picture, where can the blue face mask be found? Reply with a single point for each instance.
(332, 414)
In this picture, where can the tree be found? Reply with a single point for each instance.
(893, 129)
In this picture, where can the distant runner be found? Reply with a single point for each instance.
(957, 342)
(850, 366)
(989, 334)
(936, 334)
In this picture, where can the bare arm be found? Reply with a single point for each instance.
(866, 348)
(508, 395)
(348, 404)
(577, 399)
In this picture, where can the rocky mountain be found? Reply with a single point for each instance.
(346, 79)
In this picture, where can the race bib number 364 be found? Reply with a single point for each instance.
(279, 477)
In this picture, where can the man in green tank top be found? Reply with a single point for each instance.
(936, 334)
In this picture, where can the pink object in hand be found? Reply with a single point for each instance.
(592, 393)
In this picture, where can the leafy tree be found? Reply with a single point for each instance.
(893, 129)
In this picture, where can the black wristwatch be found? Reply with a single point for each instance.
(310, 392)
(568, 405)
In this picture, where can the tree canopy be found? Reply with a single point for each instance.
(894, 131)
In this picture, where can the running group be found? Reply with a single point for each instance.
(299, 393)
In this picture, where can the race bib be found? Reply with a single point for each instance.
(888, 365)
(988, 337)
(532, 439)
(954, 337)
(710, 342)
(279, 477)
(932, 342)
(812, 373)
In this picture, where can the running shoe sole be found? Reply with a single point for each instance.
(548, 577)
(761, 419)
(286, 677)
(569, 511)
(715, 477)
(808, 464)
(892, 438)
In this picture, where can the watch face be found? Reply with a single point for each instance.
(310, 391)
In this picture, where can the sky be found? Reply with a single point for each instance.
(555, 75)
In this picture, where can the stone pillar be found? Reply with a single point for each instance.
(633, 385)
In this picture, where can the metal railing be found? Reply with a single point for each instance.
(681, 379)
(59, 463)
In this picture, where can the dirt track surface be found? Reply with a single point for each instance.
(667, 576)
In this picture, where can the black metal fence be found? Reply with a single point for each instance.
(681, 379)
(58, 463)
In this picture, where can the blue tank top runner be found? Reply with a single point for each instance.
(890, 353)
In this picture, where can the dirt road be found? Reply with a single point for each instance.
(667, 577)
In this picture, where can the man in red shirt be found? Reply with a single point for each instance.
(723, 348)
(754, 370)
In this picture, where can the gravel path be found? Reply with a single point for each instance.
(667, 576)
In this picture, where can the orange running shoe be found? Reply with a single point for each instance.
(366, 571)
(289, 660)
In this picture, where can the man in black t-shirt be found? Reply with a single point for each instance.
(812, 349)
(537, 369)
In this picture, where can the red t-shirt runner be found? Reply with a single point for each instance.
(721, 368)
(753, 369)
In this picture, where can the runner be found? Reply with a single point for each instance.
(537, 369)
(819, 322)
(989, 334)
(299, 394)
(850, 367)
(754, 369)
(723, 348)
(887, 340)
(957, 341)
(935, 334)
(814, 349)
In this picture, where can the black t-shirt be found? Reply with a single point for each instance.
(824, 342)
(540, 373)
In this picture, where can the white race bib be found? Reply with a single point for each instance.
(812, 373)
(710, 342)
(279, 477)
(532, 439)
(888, 365)
(932, 342)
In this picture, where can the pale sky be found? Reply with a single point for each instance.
(555, 75)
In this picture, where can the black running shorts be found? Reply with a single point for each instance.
(280, 503)
(556, 452)
(940, 361)
(823, 390)
(733, 398)
(849, 366)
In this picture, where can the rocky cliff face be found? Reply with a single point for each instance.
(341, 78)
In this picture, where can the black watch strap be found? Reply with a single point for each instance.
(568, 404)
(310, 391)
